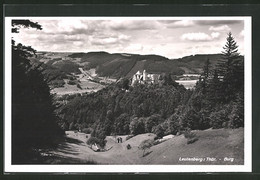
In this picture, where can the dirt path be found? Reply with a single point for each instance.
(75, 150)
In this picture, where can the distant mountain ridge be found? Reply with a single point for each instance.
(125, 65)
(119, 65)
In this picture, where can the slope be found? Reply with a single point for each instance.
(214, 147)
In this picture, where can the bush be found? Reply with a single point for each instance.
(190, 136)
(93, 140)
(159, 131)
(56, 83)
(87, 130)
(129, 137)
(137, 126)
(72, 82)
(146, 144)
(172, 125)
(190, 141)
(121, 124)
(152, 121)
(78, 86)
(128, 146)
(218, 119)
(236, 116)
(72, 126)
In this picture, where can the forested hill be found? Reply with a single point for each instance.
(195, 63)
(125, 65)
(112, 109)
(120, 65)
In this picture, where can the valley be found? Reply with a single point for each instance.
(93, 71)
(108, 108)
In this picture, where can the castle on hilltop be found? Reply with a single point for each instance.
(145, 78)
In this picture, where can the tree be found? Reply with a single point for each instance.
(159, 130)
(25, 23)
(121, 124)
(205, 75)
(146, 144)
(231, 69)
(230, 52)
(34, 123)
(137, 126)
(152, 121)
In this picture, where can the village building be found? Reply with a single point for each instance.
(145, 78)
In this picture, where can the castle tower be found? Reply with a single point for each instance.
(144, 75)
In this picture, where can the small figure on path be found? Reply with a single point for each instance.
(118, 140)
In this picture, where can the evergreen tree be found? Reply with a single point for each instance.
(231, 70)
(230, 52)
(205, 76)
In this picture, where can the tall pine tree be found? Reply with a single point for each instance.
(231, 69)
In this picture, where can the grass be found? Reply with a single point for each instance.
(190, 136)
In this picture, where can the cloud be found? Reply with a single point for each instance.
(68, 27)
(189, 23)
(103, 39)
(164, 37)
(215, 35)
(217, 22)
(134, 47)
(178, 24)
(200, 36)
(122, 25)
(220, 28)
(242, 33)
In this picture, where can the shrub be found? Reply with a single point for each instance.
(128, 146)
(121, 124)
(72, 82)
(93, 140)
(129, 137)
(236, 116)
(72, 126)
(146, 144)
(137, 126)
(87, 130)
(218, 119)
(78, 86)
(172, 125)
(190, 141)
(190, 136)
(159, 131)
(56, 83)
(152, 121)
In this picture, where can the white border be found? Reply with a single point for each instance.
(247, 167)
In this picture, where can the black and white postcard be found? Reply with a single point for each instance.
(128, 94)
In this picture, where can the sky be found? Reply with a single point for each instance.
(172, 38)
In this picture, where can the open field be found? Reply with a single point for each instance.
(188, 84)
(214, 146)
